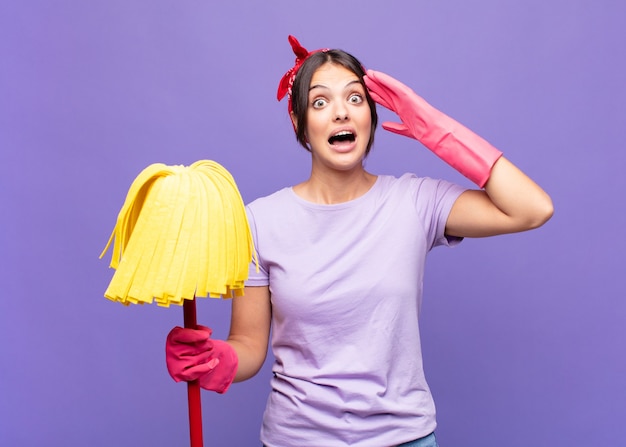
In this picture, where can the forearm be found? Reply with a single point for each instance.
(511, 202)
(524, 203)
(250, 329)
(251, 357)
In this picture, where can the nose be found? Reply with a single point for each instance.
(341, 112)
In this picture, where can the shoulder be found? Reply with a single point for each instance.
(272, 201)
(412, 184)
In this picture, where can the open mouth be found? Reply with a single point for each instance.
(344, 136)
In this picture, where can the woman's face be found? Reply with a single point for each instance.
(339, 119)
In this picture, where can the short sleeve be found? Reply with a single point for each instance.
(256, 276)
(434, 199)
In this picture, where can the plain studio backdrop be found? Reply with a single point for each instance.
(523, 334)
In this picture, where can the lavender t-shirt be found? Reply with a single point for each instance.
(346, 287)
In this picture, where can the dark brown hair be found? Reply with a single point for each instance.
(302, 82)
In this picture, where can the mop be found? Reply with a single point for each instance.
(181, 233)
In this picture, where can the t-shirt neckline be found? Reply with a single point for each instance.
(346, 204)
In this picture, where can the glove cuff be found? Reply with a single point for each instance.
(464, 150)
(222, 376)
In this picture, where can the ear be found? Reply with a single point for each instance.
(294, 121)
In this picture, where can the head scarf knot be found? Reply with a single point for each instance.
(286, 82)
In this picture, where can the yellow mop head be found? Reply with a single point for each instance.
(181, 233)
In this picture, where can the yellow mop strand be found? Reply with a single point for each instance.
(181, 233)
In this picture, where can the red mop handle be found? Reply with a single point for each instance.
(193, 387)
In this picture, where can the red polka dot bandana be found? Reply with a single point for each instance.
(286, 82)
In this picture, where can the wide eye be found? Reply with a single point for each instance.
(355, 99)
(318, 103)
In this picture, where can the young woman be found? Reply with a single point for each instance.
(341, 259)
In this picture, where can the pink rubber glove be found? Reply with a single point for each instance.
(191, 354)
(454, 143)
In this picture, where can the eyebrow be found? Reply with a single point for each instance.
(356, 81)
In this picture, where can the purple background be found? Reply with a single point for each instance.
(524, 334)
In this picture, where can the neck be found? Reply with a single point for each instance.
(328, 188)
